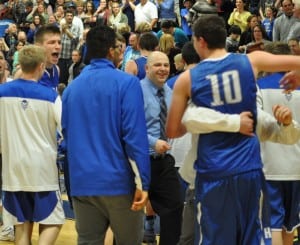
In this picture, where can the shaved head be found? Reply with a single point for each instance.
(154, 56)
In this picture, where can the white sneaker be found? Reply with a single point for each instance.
(7, 233)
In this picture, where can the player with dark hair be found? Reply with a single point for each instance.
(229, 168)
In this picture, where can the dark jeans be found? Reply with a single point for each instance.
(0, 176)
(166, 198)
(64, 65)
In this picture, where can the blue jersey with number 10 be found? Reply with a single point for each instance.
(227, 85)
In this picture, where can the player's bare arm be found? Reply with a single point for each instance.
(181, 95)
(131, 67)
(263, 61)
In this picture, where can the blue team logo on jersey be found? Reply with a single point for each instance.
(24, 104)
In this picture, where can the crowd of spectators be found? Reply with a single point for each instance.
(250, 24)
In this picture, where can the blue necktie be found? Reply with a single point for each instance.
(163, 113)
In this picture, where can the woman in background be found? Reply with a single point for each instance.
(117, 18)
(246, 36)
(89, 20)
(37, 22)
(102, 13)
(259, 37)
(167, 45)
(239, 15)
(20, 45)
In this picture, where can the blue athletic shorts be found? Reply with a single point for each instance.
(42, 207)
(284, 204)
(228, 209)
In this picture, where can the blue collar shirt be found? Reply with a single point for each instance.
(152, 109)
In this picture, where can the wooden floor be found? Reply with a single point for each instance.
(67, 235)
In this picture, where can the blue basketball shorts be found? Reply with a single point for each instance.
(228, 210)
(284, 199)
(42, 207)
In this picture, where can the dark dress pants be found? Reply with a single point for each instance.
(166, 199)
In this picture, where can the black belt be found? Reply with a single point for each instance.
(157, 156)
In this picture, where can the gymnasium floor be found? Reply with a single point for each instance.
(67, 235)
